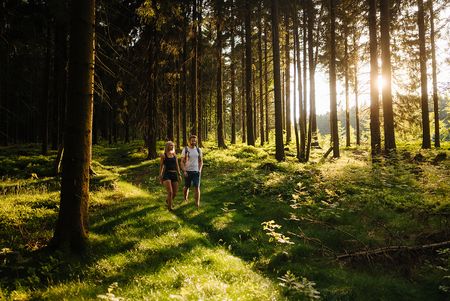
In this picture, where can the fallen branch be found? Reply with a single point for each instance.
(393, 249)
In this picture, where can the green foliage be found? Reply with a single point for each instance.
(302, 287)
(312, 212)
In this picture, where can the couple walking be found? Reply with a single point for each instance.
(191, 165)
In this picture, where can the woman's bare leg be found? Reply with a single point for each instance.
(168, 185)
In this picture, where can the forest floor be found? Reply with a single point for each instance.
(345, 229)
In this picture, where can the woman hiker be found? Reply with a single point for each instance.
(169, 173)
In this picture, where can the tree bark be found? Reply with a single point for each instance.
(426, 139)
(266, 83)
(375, 135)
(302, 123)
(194, 90)
(199, 76)
(219, 98)
(388, 114)
(279, 148)
(232, 77)
(260, 67)
(333, 103)
(437, 139)
(356, 91)
(312, 71)
(346, 79)
(45, 94)
(184, 87)
(248, 74)
(72, 225)
(288, 77)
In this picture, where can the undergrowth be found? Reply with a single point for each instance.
(278, 228)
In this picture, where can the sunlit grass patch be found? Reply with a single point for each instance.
(206, 274)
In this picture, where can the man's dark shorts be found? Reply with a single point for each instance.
(193, 178)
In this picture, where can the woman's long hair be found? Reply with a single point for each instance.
(166, 149)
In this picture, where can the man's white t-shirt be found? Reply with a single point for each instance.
(192, 156)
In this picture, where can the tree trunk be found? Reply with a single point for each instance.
(279, 148)
(388, 114)
(219, 98)
(170, 130)
(45, 94)
(184, 87)
(243, 94)
(426, 139)
(233, 78)
(248, 74)
(254, 103)
(199, 75)
(437, 139)
(152, 95)
(375, 135)
(347, 100)
(356, 91)
(177, 106)
(312, 71)
(194, 90)
(302, 138)
(266, 83)
(260, 65)
(60, 73)
(296, 100)
(333, 103)
(288, 78)
(72, 226)
(303, 117)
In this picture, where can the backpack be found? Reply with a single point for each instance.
(186, 152)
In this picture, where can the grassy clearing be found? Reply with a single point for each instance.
(265, 230)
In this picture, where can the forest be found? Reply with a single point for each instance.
(322, 130)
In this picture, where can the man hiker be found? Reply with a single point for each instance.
(191, 164)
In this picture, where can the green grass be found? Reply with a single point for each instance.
(265, 230)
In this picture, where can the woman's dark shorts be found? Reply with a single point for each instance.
(170, 175)
(193, 178)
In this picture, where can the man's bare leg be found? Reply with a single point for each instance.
(185, 193)
(197, 196)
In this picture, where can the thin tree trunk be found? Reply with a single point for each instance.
(375, 135)
(72, 226)
(312, 71)
(60, 73)
(302, 138)
(426, 139)
(243, 94)
(279, 148)
(437, 139)
(297, 139)
(219, 104)
(255, 108)
(347, 100)
(333, 103)
(266, 83)
(233, 78)
(170, 130)
(260, 65)
(356, 91)
(199, 75)
(184, 87)
(288, 77)
(388, 114)
(177, 106)
(248, 74)
(305, 87)
(45, 94)
(194, 90)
